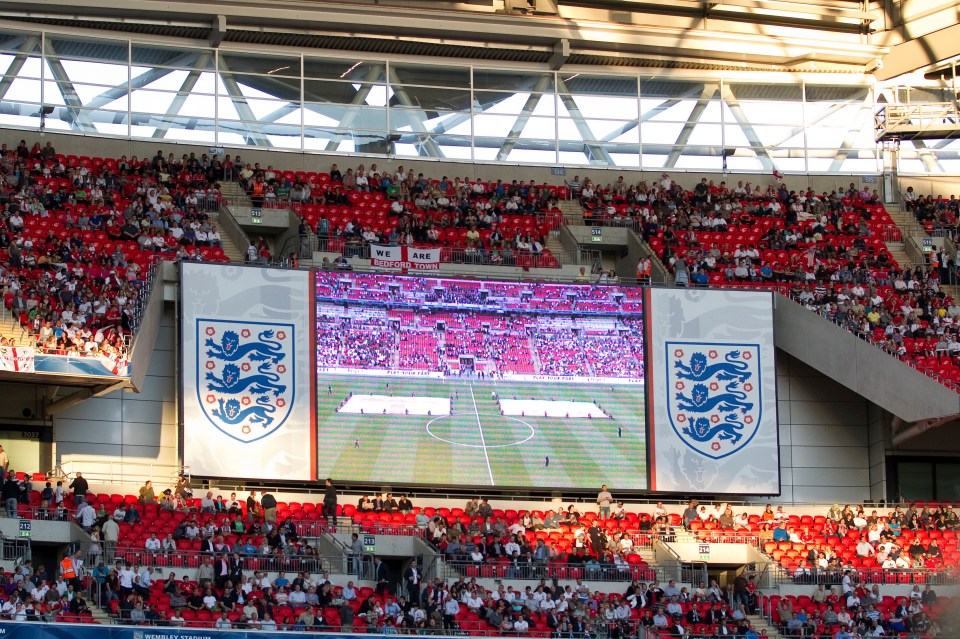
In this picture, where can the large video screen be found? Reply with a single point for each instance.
(423, 380)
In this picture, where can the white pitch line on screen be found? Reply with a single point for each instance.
(482, 440)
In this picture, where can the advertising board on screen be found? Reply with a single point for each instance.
(430, 381)
(247, 380)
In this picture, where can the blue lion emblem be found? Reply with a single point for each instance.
(733, 368)
(246, 376)
(232, 382)
(230, 412)
(699, 400)
(702, 431)
(230, 350)
(714, 395)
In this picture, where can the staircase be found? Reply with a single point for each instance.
(556, 248)
(572, 211)
(763, 627)
(234, 194)
(909, 227)
(230, 249)
(10, 330)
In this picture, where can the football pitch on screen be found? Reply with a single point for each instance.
(470, 432)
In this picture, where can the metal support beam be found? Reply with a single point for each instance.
(726, 94)
(184, 92)
(346, 122)
(920, 52)
(255, 135)
(595, 150)
(929, 156)
(142, 80)
(853, 132)
(16, 65)
(708, 91)
(561, 53)
(523, 117)
(79, 118)
(218, 32)
(427, 145)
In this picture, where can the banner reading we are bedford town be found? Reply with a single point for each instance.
(405, 257)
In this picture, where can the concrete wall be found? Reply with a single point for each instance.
(824, 446)
(131, 433)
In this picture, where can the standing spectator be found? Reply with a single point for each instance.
(86, 516)
(269, 504)
(80, 487)
(330, 502)
(11, 493)
(111, 534)
(604, 500)
(4, 461)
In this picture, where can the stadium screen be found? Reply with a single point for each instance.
(431, 381)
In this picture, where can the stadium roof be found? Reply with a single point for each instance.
(802, 35)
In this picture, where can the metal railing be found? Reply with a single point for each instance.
(104, 472)
(15, 548)
(135, 556)
(454, 568)
(448, 255)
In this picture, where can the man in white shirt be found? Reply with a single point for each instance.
(450, 611)
(152, 544)
(349, 593)
(86, 516)
(126, 575)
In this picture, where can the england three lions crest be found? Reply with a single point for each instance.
(245, 376)
(715, 395)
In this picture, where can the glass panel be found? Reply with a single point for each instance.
(434, 121)
(87, 93)
(666, 110)
(151, 101)
(344, 92)
(430, 98)
(279, 88)
(430, 75)
(788, 113)
(948, 481)
(23, 90)
(272, 65)
(592, 106)
(181, 58)
(517, 104)
(353, 116)
(31, 68)
(100, 73)
(351, 69)
(87, 49)
(916, 480)
(501, 80)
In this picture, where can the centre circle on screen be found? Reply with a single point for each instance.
(483, 431)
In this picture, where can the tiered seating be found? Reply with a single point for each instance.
(813, 248)
(89, 219)
(425, 212)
